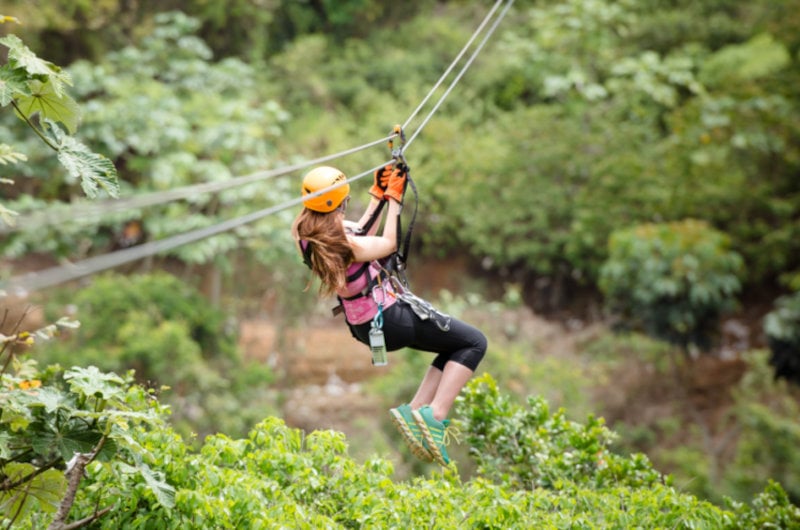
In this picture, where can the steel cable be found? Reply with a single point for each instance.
(453, 63)
(462, 71)
(24, 284)
(41, 219)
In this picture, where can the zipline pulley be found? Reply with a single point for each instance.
(397, 152)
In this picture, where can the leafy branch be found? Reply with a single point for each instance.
(36, 87)
(11, 483)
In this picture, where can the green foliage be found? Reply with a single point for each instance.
(280, 477)
(770, 509)
(42, 492)
(765, 450)
(9, 156)
(675, 279)
(733, 150)
(172, 337)
(49, 417)
(610, 113)
(37, 85)
(33, 86)
(614, 125)
(530, 448)
(737, 456)
(152, 300)
(759, 57)
(583, 117)
(169, 117)
(144, 475)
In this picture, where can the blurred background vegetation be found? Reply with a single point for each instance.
(612, 193)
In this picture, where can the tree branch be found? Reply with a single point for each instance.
(7, 485)
(86, 520)
(5, 345)
(74, 476)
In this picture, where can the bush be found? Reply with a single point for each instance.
(528, 447)
(674, 279)
(52, 420)
(278, 477)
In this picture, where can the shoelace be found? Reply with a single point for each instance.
(446, 432)
(451, 431)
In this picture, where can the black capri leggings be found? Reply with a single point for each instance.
(402, 328)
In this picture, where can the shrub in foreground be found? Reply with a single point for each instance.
(279, 477)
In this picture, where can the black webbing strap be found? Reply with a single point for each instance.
(404, 242)
(372, 218)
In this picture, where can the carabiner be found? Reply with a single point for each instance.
(397, 153)
(377, 320)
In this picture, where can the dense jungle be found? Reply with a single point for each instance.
(609, 190)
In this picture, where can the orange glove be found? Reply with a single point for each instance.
(382, 177)
(396, 187)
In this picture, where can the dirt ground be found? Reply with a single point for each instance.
(321, 370)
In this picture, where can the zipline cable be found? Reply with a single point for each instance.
(453, 63)
(462, 72)
(60, 274)
(22, 285)
(45, 218)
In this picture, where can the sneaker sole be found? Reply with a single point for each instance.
(433, 449)
(413, 443)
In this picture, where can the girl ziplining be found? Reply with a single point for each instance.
(351, 261)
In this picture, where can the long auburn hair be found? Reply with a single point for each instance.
(330, 253)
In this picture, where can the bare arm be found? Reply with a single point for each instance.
(371, 247)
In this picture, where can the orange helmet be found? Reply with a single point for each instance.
(320, 178)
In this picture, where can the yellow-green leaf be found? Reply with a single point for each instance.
(45, 100)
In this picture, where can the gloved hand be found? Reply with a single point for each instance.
(382, 177)
(396, 187)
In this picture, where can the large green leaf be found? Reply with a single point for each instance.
(5, 451)
(50, 398)
(91, 382)
(93, 170)
(70, 440)
(45, 99)
(15, 413)
(163, 491)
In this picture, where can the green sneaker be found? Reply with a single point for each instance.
(434, 432)
(404, 421)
